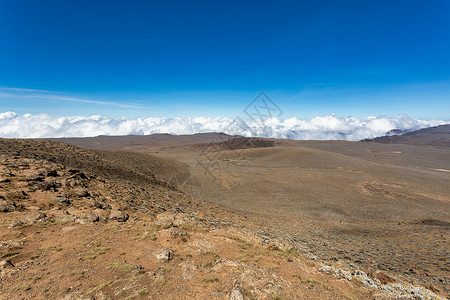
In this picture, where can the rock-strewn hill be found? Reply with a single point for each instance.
(82, 224)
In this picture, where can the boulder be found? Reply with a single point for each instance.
(88, 218)
(236, 292)
(62, 201)
(4, 264)
(36, 216)
(49, 186)
(7, 206)
(165, 256)
(52, 173)
(118, 215)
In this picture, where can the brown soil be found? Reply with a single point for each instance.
(84, 224)
(263, 219)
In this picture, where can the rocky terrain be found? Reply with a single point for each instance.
(89, 224)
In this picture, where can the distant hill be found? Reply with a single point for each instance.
(159, 140)
(438, 136)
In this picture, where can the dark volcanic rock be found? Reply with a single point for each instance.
(49, 186)
(52, 173)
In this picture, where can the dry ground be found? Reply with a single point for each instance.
(276, 216)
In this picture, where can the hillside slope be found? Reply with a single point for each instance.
(81, 224)
(84, 224)
(438, 136)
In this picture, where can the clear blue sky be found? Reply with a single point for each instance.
(210, 58)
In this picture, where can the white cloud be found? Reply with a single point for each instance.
(13, 125)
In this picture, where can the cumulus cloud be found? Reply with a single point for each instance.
(328, 127)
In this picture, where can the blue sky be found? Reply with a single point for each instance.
(211, 58)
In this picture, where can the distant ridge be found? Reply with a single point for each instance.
(438, 136)
(158, 139)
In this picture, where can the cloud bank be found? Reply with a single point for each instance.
(328, 127)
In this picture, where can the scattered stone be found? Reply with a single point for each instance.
(36, 216)
(159, 272)
(4, 264)
(118, 215)
(7, 206)
(138, 269)
(16, 223)
(49, 186)
(33, 208)
(77, 174)
(272, 247)
(236, 292)
(52, 173)
(4, 180)
(69, 228)
(100, 205)
(165, 220)
(165, 255)
(81, 193)
(12, 244)
(62, 201)
(337, 273)
(37, 178)
(176, 232)
(88, 218)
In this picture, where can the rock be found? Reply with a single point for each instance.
(36, 216)
(35, 178)
(165, 255)
(7, 206)
(33, 208)
(175, 232)
(16, 223)
(82, 193)
(88, 218)
(100, 205)
(165, 224)
(69, 228)
(4, 264)
(165, 220)
(138, 269)
(159, 272)
(4, 180)
(236, 292)
(118, 215)
(49, 186)
(62, 201)
(77, 174)
(272, 247)
(52, 173)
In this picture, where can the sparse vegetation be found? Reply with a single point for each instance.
(121, 266)
(143, 292)
(22, 287)
(93, 253)
(98, 287)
